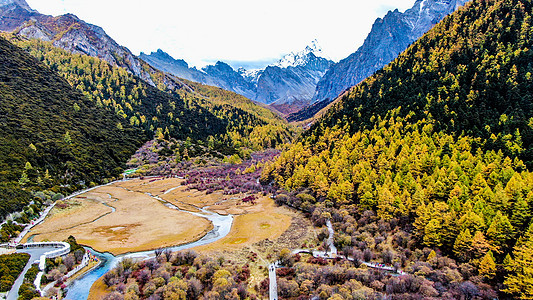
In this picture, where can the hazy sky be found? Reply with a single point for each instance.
(235, 31)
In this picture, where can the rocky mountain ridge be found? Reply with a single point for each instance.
(302, 58)
(293, 79)
(21, 3)
(70, 33)
(286, 85)
(290, 81)
(389, 36)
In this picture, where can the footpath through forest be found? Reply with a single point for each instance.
(330, 253)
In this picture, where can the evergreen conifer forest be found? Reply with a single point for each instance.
(433, 151)
(421, 175)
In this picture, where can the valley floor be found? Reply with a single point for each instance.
(129, 216)
(116, 220)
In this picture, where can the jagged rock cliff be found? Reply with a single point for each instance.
(293, 78)
(68, 32)
(224, 76)
(178, 67)
(389, 36)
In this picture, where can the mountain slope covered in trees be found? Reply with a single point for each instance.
(437, 148)
(472, 75)
(227, 119)
(51, 134)
(238, 117)
(52, 143)
(250, 125)
(70, 121)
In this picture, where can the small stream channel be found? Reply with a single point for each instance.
(80, 288)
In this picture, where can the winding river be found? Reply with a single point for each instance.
(80, 288)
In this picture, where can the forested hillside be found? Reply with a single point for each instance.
(130, 98)
(250, 125)
(183, 108)
(435, 148)
(52, 135)
(50, 142)
(472, 73)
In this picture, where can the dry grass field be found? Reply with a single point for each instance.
(172, 190)
(152, 186)
(258, 233)
(253, 222)
(138, 223)
(258, 222)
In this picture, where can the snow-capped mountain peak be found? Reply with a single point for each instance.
(250, 75)
(301, 58)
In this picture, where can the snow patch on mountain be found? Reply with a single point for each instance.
(251, 76)
(301, 58)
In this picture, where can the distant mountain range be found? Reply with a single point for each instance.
(308, 79)
(305, 79)
(290, 81)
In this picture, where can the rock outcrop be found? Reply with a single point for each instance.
(68, 32)
(389, 36)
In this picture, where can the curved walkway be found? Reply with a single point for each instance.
(382, 267)
(41, 218)
(330, 254)
(273, 287)
(330, 241)
(38, 253)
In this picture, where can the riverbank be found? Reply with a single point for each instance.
(112, 219)
(242, 238)
(98, 290)
(90, 267)
(265, 221)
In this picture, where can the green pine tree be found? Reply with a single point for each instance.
(500, 231)
(463, 245)
(432, 234)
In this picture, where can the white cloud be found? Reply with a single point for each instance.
(201, 31)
